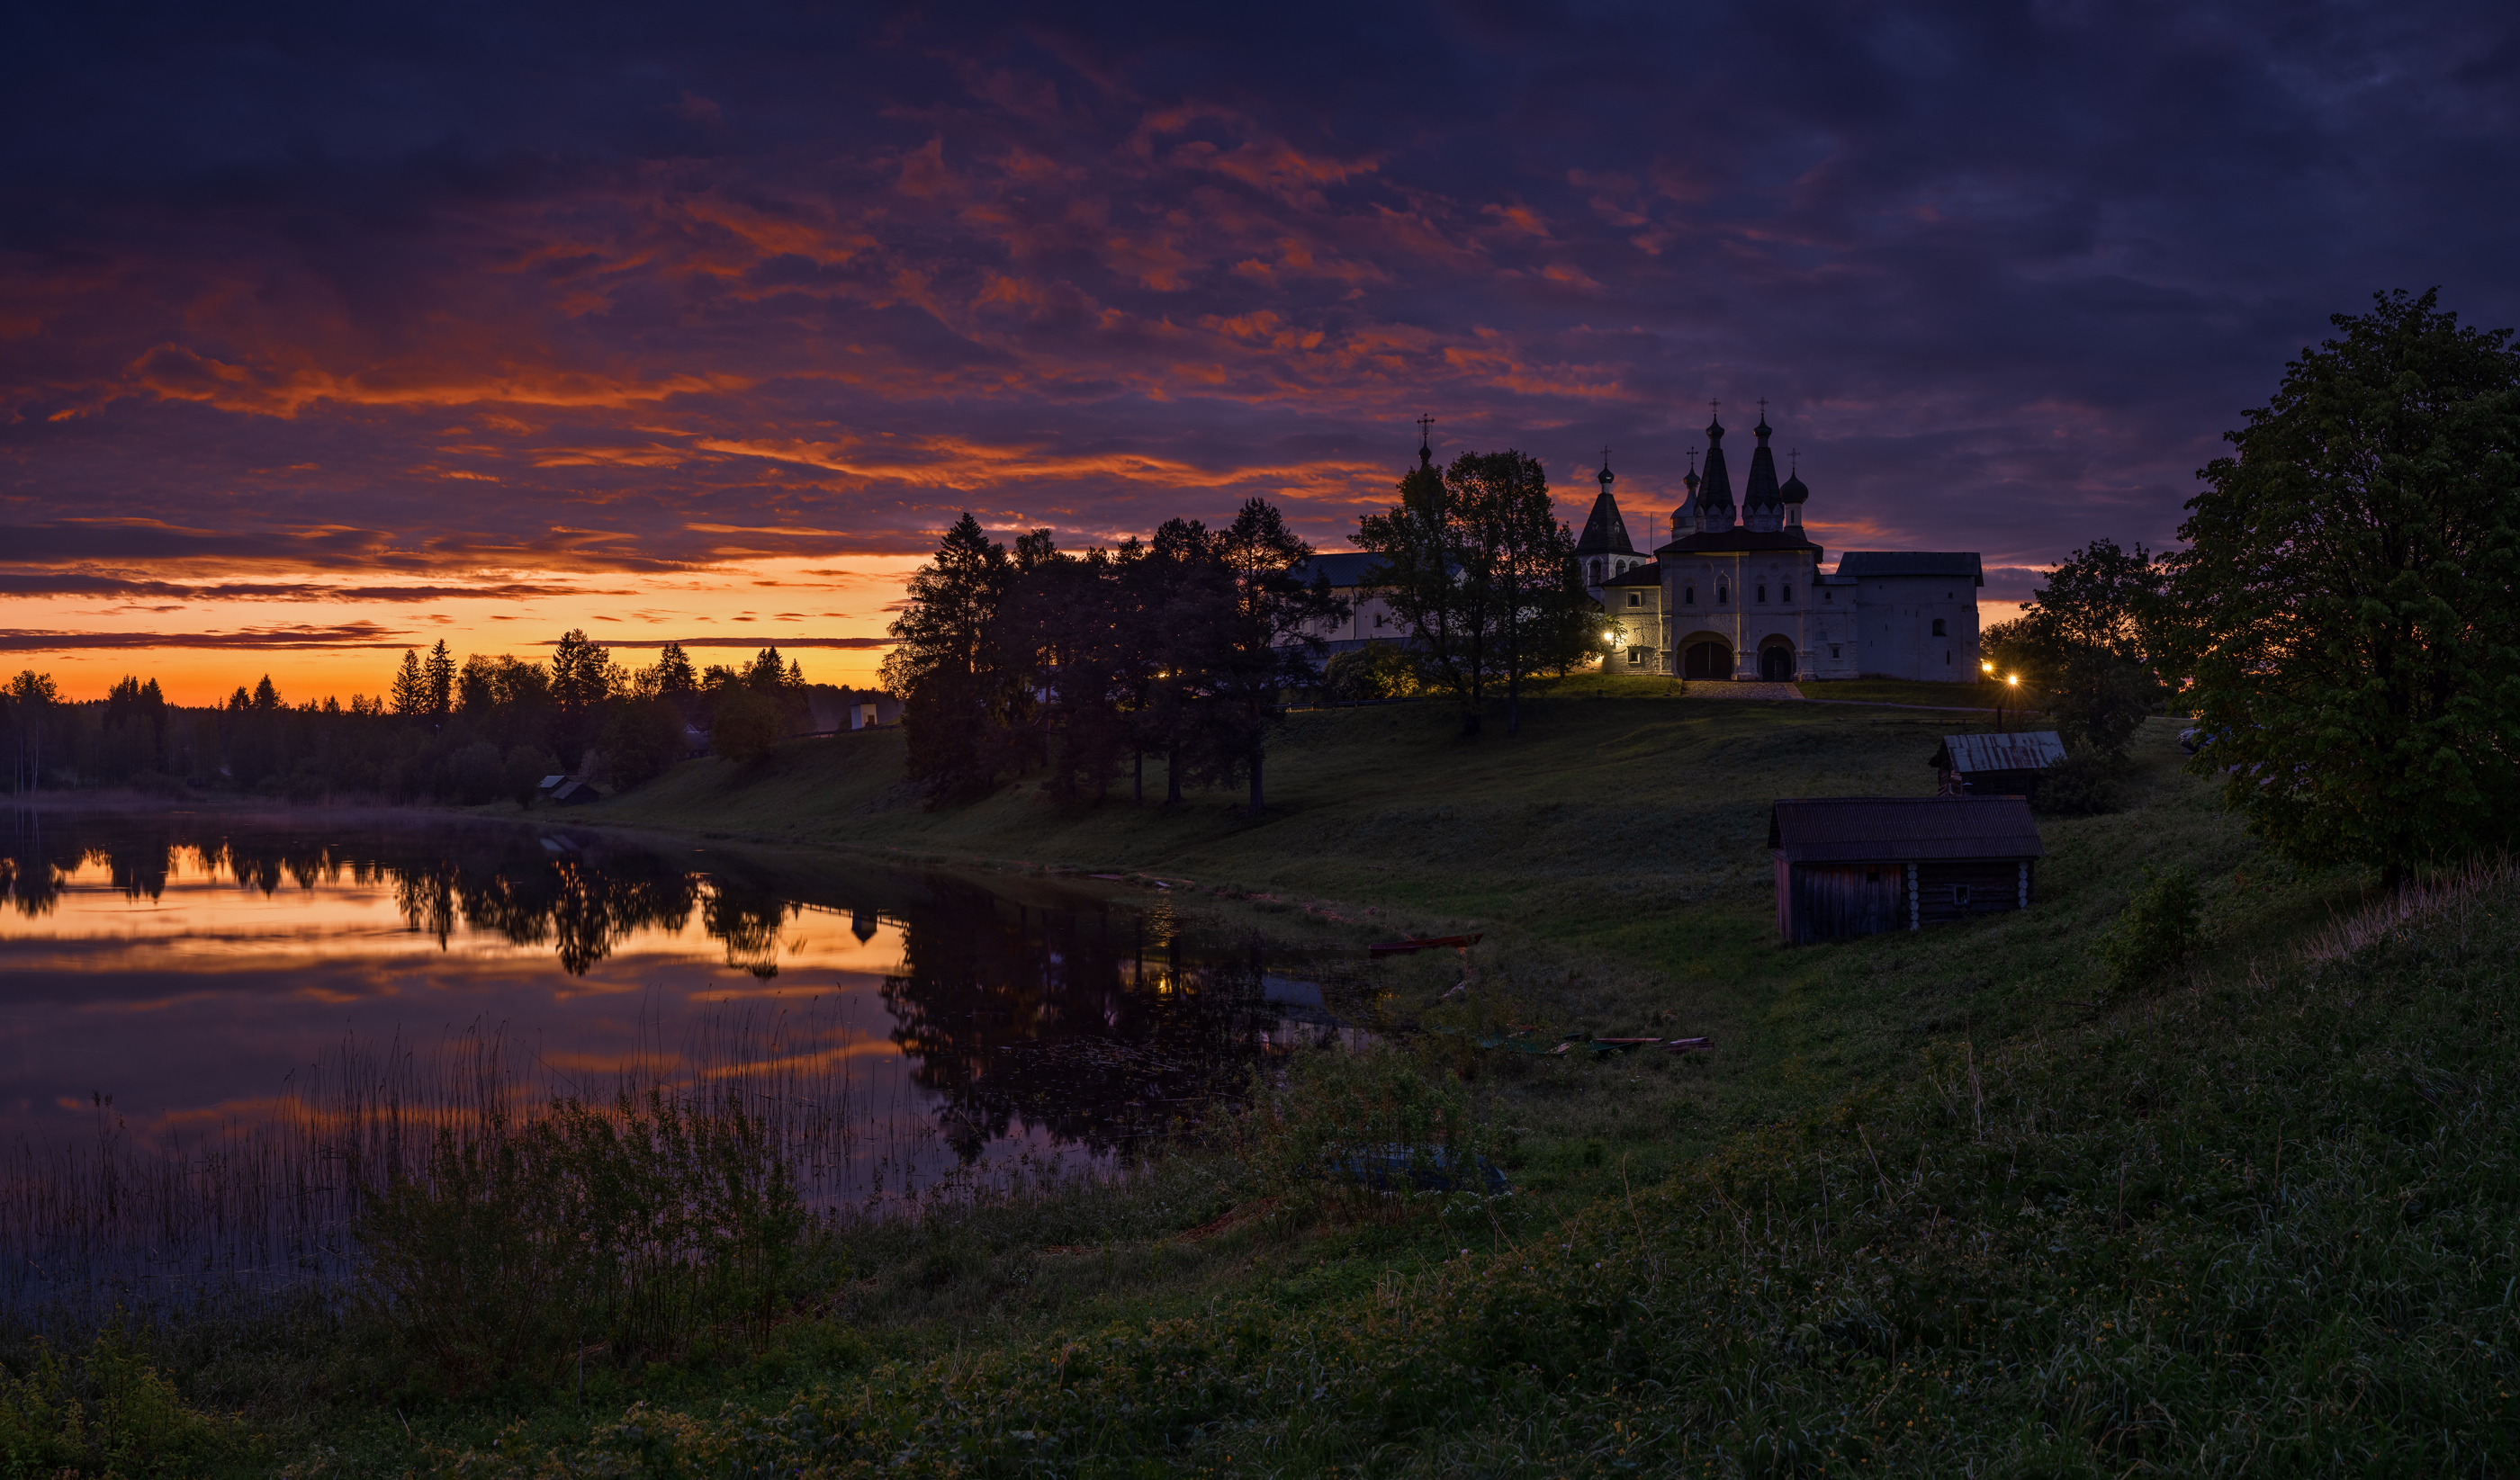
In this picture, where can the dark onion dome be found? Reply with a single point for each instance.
(1715, 494)
(1760, 491)
(1794, 492)
(1605, 532)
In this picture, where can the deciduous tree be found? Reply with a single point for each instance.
(2346, 610)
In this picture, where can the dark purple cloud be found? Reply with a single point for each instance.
(492, 288)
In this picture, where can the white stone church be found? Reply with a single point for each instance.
(1748, 599)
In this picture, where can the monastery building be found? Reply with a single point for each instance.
(1740, 594)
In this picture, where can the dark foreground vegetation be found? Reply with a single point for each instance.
(2064, 1193)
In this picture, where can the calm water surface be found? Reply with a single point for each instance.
(175, 977)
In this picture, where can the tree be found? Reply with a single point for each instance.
(1269, 635)
(747, 726)
(1435, 573)
(1182, 596)
(673, 671)
(439, 676)
(581, 678)
(410, 692)
(31, 699)
(2345, 611)
(1528, 558)
(642, 737)
(2087, 642)
(946, 663)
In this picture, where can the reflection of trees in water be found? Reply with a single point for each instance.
(1099, 1028)
(504, 881)
(750, 921)
(1076, 1023)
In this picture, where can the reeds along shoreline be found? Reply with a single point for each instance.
(125, 1225)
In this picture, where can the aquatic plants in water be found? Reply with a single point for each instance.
(630, 1229)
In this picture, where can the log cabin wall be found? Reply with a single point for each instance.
(1992, 886)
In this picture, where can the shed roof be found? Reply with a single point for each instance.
(1863, 829)
(1647, 574)
(2036, 750)
(1953, 564)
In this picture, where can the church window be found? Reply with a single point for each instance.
(1597, 572)
(1635, 599)
(1828, 595)
(1635, 657)
(1938, 628)
(1722, 596)
(1763, 591)
(1379, 618)
(1833, 651)
(1785, 594)
(1688, 596)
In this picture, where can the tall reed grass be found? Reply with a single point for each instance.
(368, 1147)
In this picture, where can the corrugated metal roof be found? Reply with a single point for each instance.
(1862, 829)
(2036, 750)
(1957, 565)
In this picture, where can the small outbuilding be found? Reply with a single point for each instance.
(1850, 866)
(1996, 765)
(572, 791)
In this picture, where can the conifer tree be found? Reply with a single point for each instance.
(409, 691)
(673, 671)
(440, 673)
(946, 662)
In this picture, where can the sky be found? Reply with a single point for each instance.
(327, 331)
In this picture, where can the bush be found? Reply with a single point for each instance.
(523, 772)
(640, 737)
(747, 726)
(2084, 783)
(634, 1228)
(473, 773)
(2158, 929)
(1383, 670)
(109, 1415)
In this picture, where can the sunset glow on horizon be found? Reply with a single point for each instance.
(325, 334)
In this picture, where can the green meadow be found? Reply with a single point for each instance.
(1953, 1202)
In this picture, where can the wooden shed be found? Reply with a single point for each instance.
(1996, 765)
(1851, 866)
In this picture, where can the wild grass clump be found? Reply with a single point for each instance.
(1379, 1128)
(632, 1230)
(106, 1413)
(2159, 930)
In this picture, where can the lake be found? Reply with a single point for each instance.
(203, 1001)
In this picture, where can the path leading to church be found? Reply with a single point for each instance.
(1718, 689)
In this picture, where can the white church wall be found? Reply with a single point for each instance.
(1894, 620)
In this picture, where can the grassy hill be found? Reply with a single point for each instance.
(1615, 853)
(1944, 1202)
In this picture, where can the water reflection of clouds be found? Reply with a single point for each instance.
(969, 1028)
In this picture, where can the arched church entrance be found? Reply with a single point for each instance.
(1707, 658)
(1776, 661)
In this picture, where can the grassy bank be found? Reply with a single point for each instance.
(1941, 1202)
